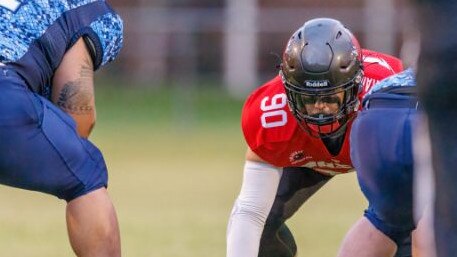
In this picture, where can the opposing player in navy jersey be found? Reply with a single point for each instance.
(49, 50)
(297, 128)
(382, 154)
(437, 84)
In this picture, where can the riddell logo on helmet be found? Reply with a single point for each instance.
(316, 83)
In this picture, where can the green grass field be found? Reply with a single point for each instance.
(175, 163)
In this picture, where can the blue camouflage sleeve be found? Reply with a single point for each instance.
(402, 79)
(110, 30)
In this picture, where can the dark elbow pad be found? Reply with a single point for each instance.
(91, 48)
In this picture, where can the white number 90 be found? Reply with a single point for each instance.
(273, 109)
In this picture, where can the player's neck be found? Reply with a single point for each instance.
(334, 144)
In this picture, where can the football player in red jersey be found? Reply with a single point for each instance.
(297, 128)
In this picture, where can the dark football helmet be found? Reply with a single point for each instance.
(322, 63)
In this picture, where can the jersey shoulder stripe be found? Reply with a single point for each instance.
(378, 66)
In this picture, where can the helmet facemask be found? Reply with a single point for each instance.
(340, 103)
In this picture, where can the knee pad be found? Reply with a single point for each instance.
(277, 242)
(404, 247)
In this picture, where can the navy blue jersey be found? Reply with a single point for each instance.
(34, 35)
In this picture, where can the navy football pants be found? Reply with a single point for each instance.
(40, 149)
(381, 152)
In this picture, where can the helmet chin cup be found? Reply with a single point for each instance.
(324, 129)
(333, 130)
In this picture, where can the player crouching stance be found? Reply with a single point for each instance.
(49, 51)
(297, 128)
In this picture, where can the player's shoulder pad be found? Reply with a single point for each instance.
(378, 66)
(266, 120)
(405, 78)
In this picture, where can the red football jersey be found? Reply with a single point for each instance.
(272, 132)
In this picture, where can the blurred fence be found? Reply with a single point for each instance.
(233, 45)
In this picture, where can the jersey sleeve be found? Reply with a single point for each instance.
(105, 32)
(267, 123)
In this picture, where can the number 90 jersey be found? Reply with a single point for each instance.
(272, 132)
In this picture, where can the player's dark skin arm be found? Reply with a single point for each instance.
(73, 87)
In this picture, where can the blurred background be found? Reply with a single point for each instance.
(168, 124)
(236, 44)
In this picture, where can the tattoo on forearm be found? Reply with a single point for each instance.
(76, 96)
(87, 70)
(74, 100)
